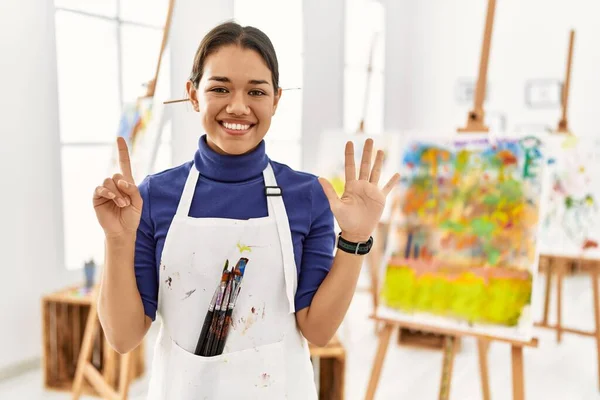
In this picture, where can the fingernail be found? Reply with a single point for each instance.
(121, 202)
(111, 195)
(123, 183)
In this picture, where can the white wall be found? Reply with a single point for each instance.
(323, 84)
(431, 44)
(31, 242)
(192, 19)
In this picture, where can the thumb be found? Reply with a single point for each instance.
(132, 191)
(329, 192)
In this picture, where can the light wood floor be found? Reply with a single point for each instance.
(566, 371)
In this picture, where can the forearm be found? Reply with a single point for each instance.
(331, 301)
(120, 307)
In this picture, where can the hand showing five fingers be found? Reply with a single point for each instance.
(359, 209)
(117, 202)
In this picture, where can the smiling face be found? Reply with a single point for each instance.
(235, 98)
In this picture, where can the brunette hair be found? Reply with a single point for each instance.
(229, 33)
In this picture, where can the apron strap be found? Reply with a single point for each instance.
(185, 201)
(277, 210)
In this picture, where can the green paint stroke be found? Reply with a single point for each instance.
(453, 226)
(483, 227)
(466, 297)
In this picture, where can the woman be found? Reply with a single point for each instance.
(167, 240)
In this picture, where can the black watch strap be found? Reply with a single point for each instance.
(361, 248)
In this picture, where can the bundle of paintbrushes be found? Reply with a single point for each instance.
(218, 318)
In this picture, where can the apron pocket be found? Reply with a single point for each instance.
(255, 373)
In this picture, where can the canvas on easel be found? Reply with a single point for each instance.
(462, 247)
(143, 121)
(570, 231)
(571, 223)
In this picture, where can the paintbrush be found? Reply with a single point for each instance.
(209, 315)
(221, 291)
(238, 275)
(219, 316)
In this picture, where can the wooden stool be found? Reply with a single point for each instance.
(85, 369)
(66, 323)
(331, 369)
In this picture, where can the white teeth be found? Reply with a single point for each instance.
(236, 127)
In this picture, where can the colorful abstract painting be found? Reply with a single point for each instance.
(571, 221)
(462, 249)
(134, 120)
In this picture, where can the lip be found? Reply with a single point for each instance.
(236, 132)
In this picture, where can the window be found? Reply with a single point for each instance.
(106, 51)
(283, 24)
(364, 35)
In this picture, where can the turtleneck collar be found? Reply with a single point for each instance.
(229, 168)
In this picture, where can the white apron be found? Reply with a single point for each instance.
(265, 356)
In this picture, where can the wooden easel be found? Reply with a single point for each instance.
(375, 255)
(158, 119)
(475, 120)
(563, 126)
(475, 124)
(448, 360)
(559, 265)
(85, 369)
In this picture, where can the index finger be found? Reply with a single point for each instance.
(124, 160)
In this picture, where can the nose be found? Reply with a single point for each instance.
(237, 105)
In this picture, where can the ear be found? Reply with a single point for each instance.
(192, 95)
(276, 99)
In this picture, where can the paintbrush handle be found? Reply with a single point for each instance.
(207, 322)
(211, 337)
(224, 332)
(227, 322)
(218, 330)
(204, 332)
(226, 303)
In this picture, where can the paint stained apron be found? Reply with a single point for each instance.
(265, 356)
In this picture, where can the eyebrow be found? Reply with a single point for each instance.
(226, 79)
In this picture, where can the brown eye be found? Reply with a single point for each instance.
(219, 90)
(256, 93)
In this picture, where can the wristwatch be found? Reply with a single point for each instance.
(360, 248)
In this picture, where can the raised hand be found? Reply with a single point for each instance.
(117, 202)
(359, 209)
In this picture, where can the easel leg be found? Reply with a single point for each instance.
(548, 290)
(447, 364)
(483, 347)
(559, 281)
(384, 341)
(517, 373)
(373, 266)
(596, 315)
(374, 259)
(124, 375)
(84, 352)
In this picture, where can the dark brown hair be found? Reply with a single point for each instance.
(246, 37)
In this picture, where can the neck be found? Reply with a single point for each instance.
(215, 164)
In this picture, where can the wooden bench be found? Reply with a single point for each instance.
(331, 369)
